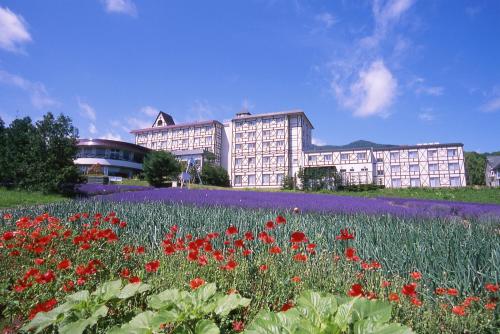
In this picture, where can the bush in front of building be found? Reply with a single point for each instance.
(161, 167)
(214, 175)
(39, 156)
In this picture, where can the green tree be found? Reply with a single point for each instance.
(160, 167)
(214, 175)
(475, 166)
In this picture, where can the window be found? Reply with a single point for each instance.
(266, 145)
(280, 160)
(238, 162)
(415, 182)
(312, 158)
(280, 178)
(100, 152)
(126, 155)
(280, 144)
(452, 153)
(433, 167)
(280, 133)
(412, 155)
(380, 172)
(237, 180)
(265, 160)
(266, 133)
(251, 146)
(395, 169)
(455, 181)
(251, 179)
(344, 156)
(361, 156)
(266, 122)
(266, 178)
(114, 153)
(434, 182)
(364, 169)
(342, 170)
(394, 155)
(238, 135)
(327, 158)
(453, 167)
(196, 141)
(414, 168)
(251, 161)
(251, 135)
(380, 160)
(237, 147)
(208, 140)
(432, 154)
(396, 183)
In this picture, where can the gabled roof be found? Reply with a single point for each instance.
(493, 161)
(166, 118)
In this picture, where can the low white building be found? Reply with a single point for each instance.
(260, 150)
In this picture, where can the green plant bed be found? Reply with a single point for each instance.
(15, 198)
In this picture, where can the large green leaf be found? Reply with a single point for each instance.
(164, 299)
(316, 307)
(343, 317)
(227, 303)
(206, 327)
(41, 321)
(264, 323)
(204, 292)
(77, 327)
(108, 290)
(371, 327)
(378, 311)
(80, 296)
(132, 289)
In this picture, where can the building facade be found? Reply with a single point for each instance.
(261, 150)
(492, 173)
(116, 158)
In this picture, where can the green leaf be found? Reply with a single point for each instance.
(143, 323)
(264, 323)
(41, 321)
(108, 290)
(79, 326)
(204, 292)
(166, 317)
(227, 303)
(80, 296)
(206, 327)
(371, 327)
(164, 299)
(378, 311)
(317, 307)
(132, 289)
(344, 314)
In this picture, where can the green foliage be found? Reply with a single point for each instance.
(324, 313)
(319, 178)
(160, 167)
(289, 183)
(475, 165)
(184, 311)
(214, 175)
(39, 156)
(83, 310)
(10, 198)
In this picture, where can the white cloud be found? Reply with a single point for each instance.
(317, 141)
(246, 104)
(86, 110)
(201, 111)
(431, 90)
(13, 31)
(92, 128)
(112, 136)
(38, 93)
(126, 7)
(492, 105)
(427, 115)
(150, 111)
(137, 123)
(326, 18)
(372, 93)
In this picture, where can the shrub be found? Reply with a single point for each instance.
(160, 167)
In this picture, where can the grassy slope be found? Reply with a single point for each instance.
(468, 194)
(13, 198)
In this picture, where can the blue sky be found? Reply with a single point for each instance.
(389, 71)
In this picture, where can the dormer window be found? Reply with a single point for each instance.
(159, 123)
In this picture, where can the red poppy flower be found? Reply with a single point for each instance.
(409, 290)
(393, 297)
(39, 261)
(376, 265)
(47, 277)
(123, 224)
(247, 252)
(231, 265)
(152, 266)
(43, 307)
(168, 250)
(280, 220)
(440, 291)
(415, 301)
(297, 237)
(192, 256)
(490, 306)
(459, 310)
(275, 250)
(8, 235)
(231, 230)
(202, 260)
(125, 273)
(288, 305)
(263, 268)
(134, 279)
(249, 235)
(350, 254)
(140, 250)
(355, 290)
(69, 286)
(416, 275)
(344, 235)
(452, 292)
(492, 287)
(296, 279)
(310, 248)
(386, 284)
(270, 225)
(301, 257)
(196, 283)
(64, 264)
(218, 256)
(238, 326)
(239, 243)
(7, 216)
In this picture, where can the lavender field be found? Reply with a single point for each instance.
(311, 203)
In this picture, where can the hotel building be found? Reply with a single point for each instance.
(260, 150)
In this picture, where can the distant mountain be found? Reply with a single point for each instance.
(354, 145)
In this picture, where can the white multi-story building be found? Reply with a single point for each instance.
(260, 150)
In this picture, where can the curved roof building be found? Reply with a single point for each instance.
(117, 158)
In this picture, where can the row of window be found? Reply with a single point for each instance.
(265, 122)
(115, 154)
(452, 167)
(433, 182)
(431, 154)
(266, 179)
(280, 144)
(266, 160)
(250, 135)
(175, 133)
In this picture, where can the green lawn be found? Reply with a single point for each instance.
(133, 182)
(13, 198)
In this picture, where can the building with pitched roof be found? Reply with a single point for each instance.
(492, 173)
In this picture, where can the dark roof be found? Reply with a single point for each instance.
(493, 161)
(366, 145)
(286, 112)
(112, 144)
(168, 119)
(182, 125)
